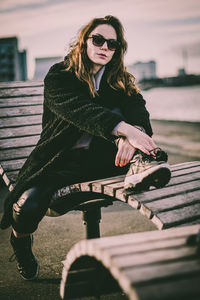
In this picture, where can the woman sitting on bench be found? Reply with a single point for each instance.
(95, 125)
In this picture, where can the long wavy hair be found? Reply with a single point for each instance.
(117, 76)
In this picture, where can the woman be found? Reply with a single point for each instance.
(91, 104)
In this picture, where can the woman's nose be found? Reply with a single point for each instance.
(104, 46)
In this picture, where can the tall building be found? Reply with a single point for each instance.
(13, 66)
(143, 70)
(43, 64)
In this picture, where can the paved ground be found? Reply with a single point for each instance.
(53, 240)
(56, 236)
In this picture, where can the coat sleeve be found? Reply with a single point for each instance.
(65, 96)
(135, 112)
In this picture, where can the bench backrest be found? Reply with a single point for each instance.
(20, 125)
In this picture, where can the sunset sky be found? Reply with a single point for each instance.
(167, 31)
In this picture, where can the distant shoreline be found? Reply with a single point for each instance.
(176, 121)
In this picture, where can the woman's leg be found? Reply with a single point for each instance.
(29, 210)
(27, 213)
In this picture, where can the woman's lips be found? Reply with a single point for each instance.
(101, 55)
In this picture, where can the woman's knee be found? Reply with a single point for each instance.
(29, 210)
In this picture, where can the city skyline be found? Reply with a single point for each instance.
(164, 31)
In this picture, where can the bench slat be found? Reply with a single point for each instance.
(184, 165)
(21, 92)
(162, 272)
(11, 102)
(186, 171)
(166, 192)
(19, 142)
(158, 244)
(115, 190)
(107, 243)
(14, 84)
(177, 216)
(20, 131)
(168, 204)
(9, 154)
(152, 256)
(20, 121)
(21, 111)
(13, 165)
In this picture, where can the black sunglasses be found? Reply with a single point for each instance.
(99, 40)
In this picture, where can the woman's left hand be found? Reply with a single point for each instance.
(125, 152)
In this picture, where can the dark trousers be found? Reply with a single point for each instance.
(82, 165)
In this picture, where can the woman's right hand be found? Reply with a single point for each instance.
(137, 138)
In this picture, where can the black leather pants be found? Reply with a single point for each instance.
(31, 207)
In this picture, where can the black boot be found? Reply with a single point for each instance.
(27, 264)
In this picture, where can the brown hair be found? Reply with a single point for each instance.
(78, 61)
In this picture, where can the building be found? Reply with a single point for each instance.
(13, 66)
(42, 65)
(143, 70)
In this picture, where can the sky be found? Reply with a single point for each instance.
(167, 31)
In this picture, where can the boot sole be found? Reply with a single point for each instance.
(158, 178)
(34, 277)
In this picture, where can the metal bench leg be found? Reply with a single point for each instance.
(91, 219)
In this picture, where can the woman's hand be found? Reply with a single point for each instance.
(137, 138)
(125, 152)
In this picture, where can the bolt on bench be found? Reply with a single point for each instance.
(177, 204)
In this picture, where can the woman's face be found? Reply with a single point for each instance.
(101, 55)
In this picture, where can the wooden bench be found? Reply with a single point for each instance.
(155, 265)
(20, 125)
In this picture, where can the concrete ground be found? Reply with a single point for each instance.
(53, 240)
(56, 236)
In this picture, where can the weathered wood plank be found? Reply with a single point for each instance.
(20, 121)
(14, 84)
(21, 111)
(166, 192)
(12, 165)
(9, 154)
(145, 237)
(20, 131)
(99, 187)
(186, 171)
(131, 260)
(145, 246)
(178, 201)
(88, 186)
(19, 142)
(21, 92)
(184, 165)
(10, 102)
(152, 273)
(177, 216)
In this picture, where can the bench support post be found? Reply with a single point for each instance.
(91, 219)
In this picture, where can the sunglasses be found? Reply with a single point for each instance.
(99, 40)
